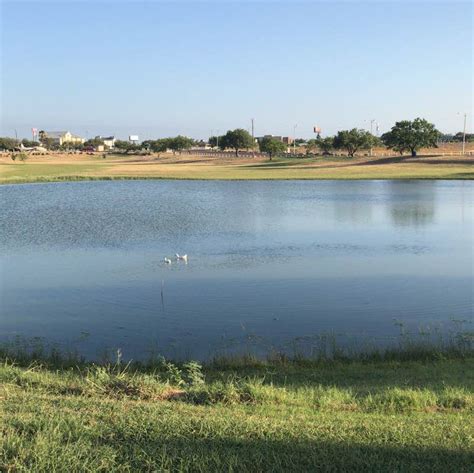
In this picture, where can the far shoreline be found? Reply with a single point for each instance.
(83, 167)
(153, 178)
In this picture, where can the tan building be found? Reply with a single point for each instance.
(61, 137)
(288, 140)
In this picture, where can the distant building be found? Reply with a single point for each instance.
(61, 137)
(109, 141)
(288, 140)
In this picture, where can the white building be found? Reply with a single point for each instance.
(109, 141)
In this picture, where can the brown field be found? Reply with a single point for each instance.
(58, 167)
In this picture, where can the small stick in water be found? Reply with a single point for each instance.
(162, 294)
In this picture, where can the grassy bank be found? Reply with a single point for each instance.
(83, 167)
(239, 415)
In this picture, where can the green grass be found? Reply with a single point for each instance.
(41, 172)
(239, 415)
(94, 168)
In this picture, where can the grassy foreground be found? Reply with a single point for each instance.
(255, 416)
(84, 167)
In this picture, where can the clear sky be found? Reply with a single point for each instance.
(162, 68)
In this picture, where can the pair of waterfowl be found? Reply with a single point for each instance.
(178, 258)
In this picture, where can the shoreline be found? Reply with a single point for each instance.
(165, 178)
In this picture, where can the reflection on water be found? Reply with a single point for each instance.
(417, 205)
(350, 210)
(271, 262)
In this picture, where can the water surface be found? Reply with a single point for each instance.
(272, 264)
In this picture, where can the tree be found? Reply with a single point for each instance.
(121, 144)
(28, 143)
(237, 139)
(325, 145)
(157, 146)
(460, 136)
(214, 141)
(311, 145)
(179, 143)
(69, 145)
(94, 142)
(411, 136)
(126, 146)
(271, 146)
(8, 144)
(354, 140)
(46, 141)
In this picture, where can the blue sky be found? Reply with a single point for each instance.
(163, 68)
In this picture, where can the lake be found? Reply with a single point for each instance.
(273, 265)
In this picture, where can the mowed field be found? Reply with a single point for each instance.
(59, 167)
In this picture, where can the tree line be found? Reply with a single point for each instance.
(405, 136)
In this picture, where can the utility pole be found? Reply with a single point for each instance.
(294, 138)
(464, 135)
(253, 138)
(371, 132)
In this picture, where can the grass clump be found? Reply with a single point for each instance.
(401, 400)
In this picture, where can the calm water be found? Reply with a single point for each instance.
(271, 264)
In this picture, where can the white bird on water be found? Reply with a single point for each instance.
(182, 257)
(167, 261)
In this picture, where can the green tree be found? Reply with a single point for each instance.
(271, 146)
(158, 146)
(8, 144)
(460, 136)
(237, 139)
(46, 141)
(311, 146)
(214, 141)
(354, 140)
(125, 146)
(411, 136)
(68, 146)
(29, 143)
(326, 145)
(179, 143)
(94, 142)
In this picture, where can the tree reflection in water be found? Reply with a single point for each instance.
(412, 203)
